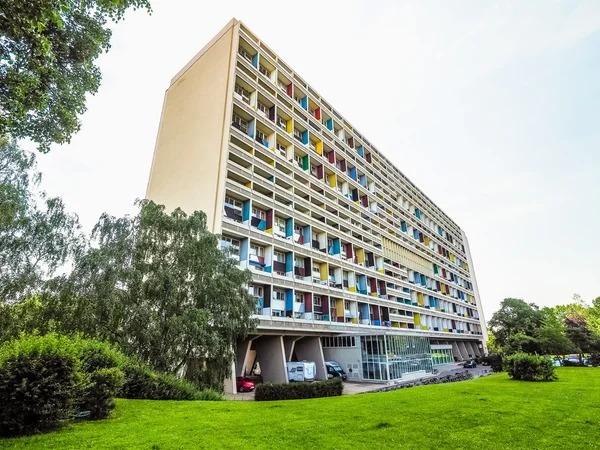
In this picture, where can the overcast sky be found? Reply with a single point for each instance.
(491, 108)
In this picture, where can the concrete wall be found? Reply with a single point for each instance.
(188, 168)
(348, 358)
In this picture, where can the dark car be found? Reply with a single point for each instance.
(334, 370)
(244, 384)
(470, 364)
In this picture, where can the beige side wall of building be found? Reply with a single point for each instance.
(188, 169)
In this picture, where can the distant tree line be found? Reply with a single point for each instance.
(519, 326)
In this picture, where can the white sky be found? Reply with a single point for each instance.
(491, 108)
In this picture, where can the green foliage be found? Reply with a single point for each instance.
(494, 360)
(296, 391)
(37, 235)
(525, 367)
(39, 379)
(514, 316)
(98, 395)
(158, 285)
(100, 363)
(47, 63)
(145, 384)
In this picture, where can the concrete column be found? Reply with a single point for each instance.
(310, 349)
(463, 350)
(244, 356)
(230, 384)
(289, 344)
(470, 349)
(456, 351)
(270, 353)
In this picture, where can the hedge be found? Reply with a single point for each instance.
(301, 390)
(39, 381)
(47, 379)
(525, 367)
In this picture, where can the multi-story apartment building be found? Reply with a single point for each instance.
(350, 260)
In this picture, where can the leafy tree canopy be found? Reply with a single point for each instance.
(37, 234)
(47, 55)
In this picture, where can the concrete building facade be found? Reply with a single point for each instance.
(350, 260)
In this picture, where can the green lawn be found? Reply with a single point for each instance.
(487, 413)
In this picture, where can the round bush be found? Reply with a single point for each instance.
(39, 379)
(525, 367)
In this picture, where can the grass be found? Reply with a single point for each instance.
(487, 413)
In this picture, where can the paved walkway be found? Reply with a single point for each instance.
(353, 387)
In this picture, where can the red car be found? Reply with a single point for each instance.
(244, 384)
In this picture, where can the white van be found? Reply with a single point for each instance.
(301, 371)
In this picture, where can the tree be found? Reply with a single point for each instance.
(514, 316)
(580, 334)
(47, 55)
(159, 286)
(551, 335)
(37, 234)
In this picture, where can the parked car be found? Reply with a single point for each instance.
(334, 370)
(572, 361)
(301, 370)
(470, 364)
(244, 384)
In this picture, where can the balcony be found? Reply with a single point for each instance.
(232, 212)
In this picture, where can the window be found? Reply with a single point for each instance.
(258, 213)
(281, 85)
(232, 244)
(230, 201)
(257, 291)
(298, 135)
(245, 54)
(313, 170)
(279, 256)
(281, 123)
(299, 262)
(299, 296)
(329, 242)
(279, 223)
(261, 135)
(311, 111)
(241, 123)
(277, 313)
(262, 69)
(298, 100)
(242, 93)
(327, 178)
(297, 229)
(316, 269)
(257, 250)
(263, 108)
(282, 149)
(347, 305)
(298, 159)
(278, 295)
(317, 300)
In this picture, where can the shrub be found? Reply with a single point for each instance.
(98, 395)
(594, 359)
(39, 379)
(494, 360)
(143, 383)
(295, 391)
(522, 366)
